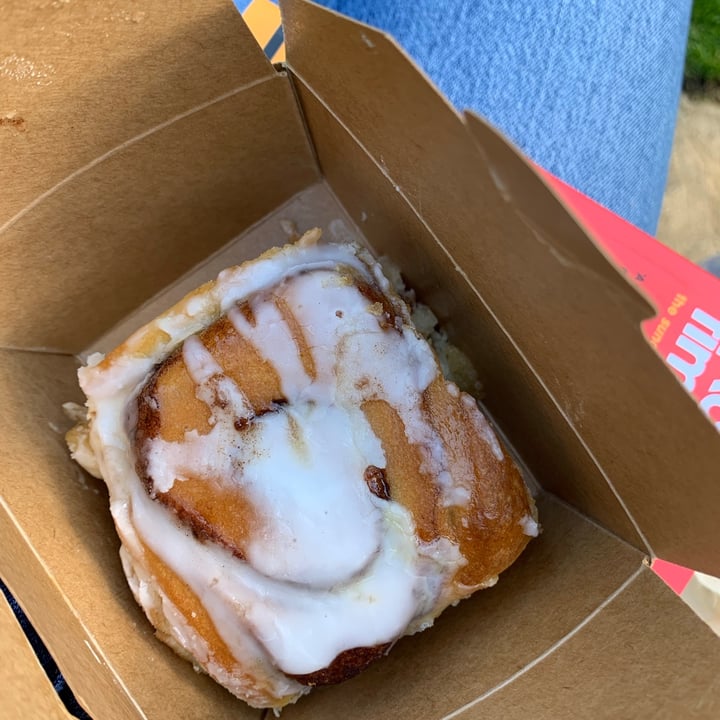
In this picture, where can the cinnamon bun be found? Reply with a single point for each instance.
(295, 483)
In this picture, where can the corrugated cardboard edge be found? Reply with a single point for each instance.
(62, 628)
(27, 691)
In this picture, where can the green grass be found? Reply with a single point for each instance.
(702, 63)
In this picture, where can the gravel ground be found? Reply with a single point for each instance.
(690, 219)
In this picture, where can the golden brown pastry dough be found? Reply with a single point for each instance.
(295, 483)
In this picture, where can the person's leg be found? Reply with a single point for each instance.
(589, 90)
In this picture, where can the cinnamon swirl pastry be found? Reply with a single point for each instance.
(294, 482)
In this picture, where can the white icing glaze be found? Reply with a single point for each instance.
(529, 526)
(200, 364)
(337, 568)
(269, 333)
(318, 507)
(95, 359)
(452, 389)
(308, 492)
(482, 426)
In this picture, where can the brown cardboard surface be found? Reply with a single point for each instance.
(665, 666)
(570, 315)
(51, 521)
(654, 445)
(27, 692)
(236, 159)
(235, 146)
(81, 78)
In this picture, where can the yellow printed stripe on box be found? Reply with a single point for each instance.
(263, 19)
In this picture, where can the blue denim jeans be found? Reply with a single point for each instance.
(587, 88)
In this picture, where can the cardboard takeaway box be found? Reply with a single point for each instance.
(146, 145)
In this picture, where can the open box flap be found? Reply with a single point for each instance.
(614, 394)
(113, 119)
(80, 79)
(509, 389)
(658, 450)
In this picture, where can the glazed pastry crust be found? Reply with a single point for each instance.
(487, 529)
(472, 522)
